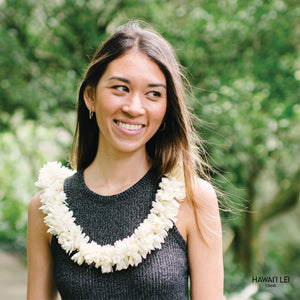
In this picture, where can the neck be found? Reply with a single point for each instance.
(111, 172)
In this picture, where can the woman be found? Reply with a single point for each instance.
(134, 221)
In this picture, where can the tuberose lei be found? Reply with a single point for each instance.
(130, 251)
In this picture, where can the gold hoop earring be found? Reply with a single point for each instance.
(90, 113)
(163, 126)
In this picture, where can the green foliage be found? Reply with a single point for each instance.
(24, 149)
(242, 60)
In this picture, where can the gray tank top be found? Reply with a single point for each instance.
(162, 275)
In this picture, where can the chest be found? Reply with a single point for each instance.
(162, 274)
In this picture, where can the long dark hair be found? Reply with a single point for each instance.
(176, 143)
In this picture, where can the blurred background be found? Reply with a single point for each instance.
(242, 59)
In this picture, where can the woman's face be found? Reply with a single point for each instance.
(130, 102)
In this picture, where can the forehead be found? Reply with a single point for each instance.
(135, 66)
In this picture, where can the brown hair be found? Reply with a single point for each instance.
(177, 142)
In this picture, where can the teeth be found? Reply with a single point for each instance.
(129, 126)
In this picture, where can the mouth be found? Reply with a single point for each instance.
(128, 126)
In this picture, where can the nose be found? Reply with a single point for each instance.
(134, 106)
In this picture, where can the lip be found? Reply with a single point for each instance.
(129, 132)
(129, 122)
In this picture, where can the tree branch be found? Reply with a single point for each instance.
(284, 200)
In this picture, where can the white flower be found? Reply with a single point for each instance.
(52, 174)
(130, 251)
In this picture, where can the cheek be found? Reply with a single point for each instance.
(105, 106)
(103, 112)
(159, 113)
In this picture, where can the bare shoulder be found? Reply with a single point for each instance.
(204, 193)
(36, 217)
(35, 203)
(34, 213)
(205, 243)
(204, 214)
(40, 283)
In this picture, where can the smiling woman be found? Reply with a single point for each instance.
(134, 221)
(129, 102)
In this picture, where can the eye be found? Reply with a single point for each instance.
(121, 88)
(154, 94)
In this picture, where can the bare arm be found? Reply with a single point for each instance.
(205, 248)
(40, 283)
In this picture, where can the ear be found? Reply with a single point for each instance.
(88, 96)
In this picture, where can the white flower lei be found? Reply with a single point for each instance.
(148, 236)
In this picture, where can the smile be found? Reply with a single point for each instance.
(129, 126)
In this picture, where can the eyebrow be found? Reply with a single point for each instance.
(128, 81)
(157, 85)
(119, 78)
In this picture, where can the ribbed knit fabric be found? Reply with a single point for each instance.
(162, 275)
